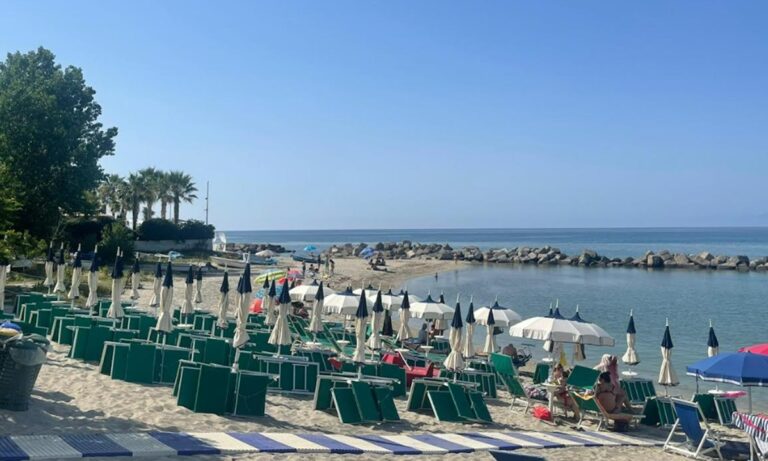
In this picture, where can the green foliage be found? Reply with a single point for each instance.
(114, 236)
(19, 244)
(50, 141)
(85, 231)
(158, 229)
(194, 229)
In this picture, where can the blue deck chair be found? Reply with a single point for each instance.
(700, 440)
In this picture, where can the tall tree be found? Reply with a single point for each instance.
(50, 139)
(164, 194)
(109, 193)
(182, 190)
(150, 179)
(134, 193)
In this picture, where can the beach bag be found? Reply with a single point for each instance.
(542, 413)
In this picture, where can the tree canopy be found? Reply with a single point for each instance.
(50, 142)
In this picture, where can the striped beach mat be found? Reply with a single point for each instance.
(155, 444)
(754, 425)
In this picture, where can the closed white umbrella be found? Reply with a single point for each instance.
(135, 279)
(468, 350)
(187, 308)
(77, 271)
(630, 357)
(270, 293)
(49, 263)
(503, 316)
(374, 341)
(116, 308)
(93, 280)
(157, 284)
(244, 290)
(361, 323)
(404, 331)
(281, 334)
(343, 303)
(430, 309)
(165, 319)
(316, 324)
(223, 302)
(667, 375)
(61, 266)
(199, 285)
(490, 340)
(4, 269)
(713, 345)
(454, 362)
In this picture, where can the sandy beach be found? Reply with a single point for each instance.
(71, 396)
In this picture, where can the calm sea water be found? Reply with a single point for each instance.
(610, 242)
(737, 303)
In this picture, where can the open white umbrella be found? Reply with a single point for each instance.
(389, 300)
(61, 267)
(135, 279)
(116, 308)
(553, 327)
(281, 334)
(454, 362)
(267, 301)
(77, 271)
(93, 280)
(343, 303)
(49, 263)
(374, 341)
(4, 269)
(307, 292)
(713, 345)
(316, 324)
(490, 340)
(404, 331)
(361, 322)
(503, 316)
(223, 302)
(199, 285)
(630, 357)
(165, 319)
(187, 308)
(667, 375)
(591, 333)
(468, 350)
(430, 309)
(369, 289)
(157, 284)
(244, 290)
(440, 323)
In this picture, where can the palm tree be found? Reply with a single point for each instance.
(108, 192)
(182, 189)
(134, 195)
(164, 193)
(149, 178)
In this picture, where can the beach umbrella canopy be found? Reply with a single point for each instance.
(281, 334)
(713, 346)
(157, 284)
(370, 289)
(454, 361)
(389, 300)
(386, 328)
(756, 349)
(244, 290)
(430, 309)
(187, 307)
(667, 375)
(77, 272)
(503, 316)
(49, 263)
(316, 324)
(61, 266)
(116, 308)
(630, 357)
(135, 279)
(553, 327)
(404, 331)
(411, 298)
(269, 298)
(361, 322)
(265, 253)
(740, 368)
(310, 248)
(199, 285)
(93, 280)
(303, 293)
(468, 349)
(374, 342)
(164, 320)
(490, 341)
(591, 333)
(343, 303)
(223, 301)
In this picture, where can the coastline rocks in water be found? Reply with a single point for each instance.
(255, 247)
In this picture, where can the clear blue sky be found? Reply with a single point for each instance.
(402, 114)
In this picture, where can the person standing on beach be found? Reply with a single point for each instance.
(303, 268)
(435, 276)
(333, 266)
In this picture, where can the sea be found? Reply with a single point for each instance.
(735, 303)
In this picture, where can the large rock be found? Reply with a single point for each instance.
(705, 255)
(654, 261)
(681, 259)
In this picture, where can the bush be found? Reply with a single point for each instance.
(158, 229)
(193, 230)
(85, 231)
(16, 245)
(116, 235)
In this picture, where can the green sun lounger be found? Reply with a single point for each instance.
(725, 408)
(461, 403)
(366, 404)
(583, 378)
(516, 391)
(346, 406)
(386, 403)
(443, 406)
(541, 373)
(249, 393)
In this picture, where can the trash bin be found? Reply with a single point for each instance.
(21, 358)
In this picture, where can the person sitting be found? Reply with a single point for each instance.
(559, 380)
(423, 338)
(609, 365)
(611, 398)
(510, 350)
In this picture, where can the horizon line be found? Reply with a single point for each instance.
(497, 228)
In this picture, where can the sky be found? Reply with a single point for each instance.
(430, 114)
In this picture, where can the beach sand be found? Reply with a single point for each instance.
(73, 397)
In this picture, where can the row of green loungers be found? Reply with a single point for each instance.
(449, 401)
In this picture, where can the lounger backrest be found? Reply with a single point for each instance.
(688, 415)
(513, 386)
(461, 401)
(667, 414)
(502, 364)
(725, 409)
(586, 403)
(583, 377)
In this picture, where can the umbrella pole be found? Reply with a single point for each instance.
(749, 397)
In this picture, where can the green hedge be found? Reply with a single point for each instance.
(163, 229)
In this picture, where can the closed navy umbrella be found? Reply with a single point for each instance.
(187, 307)
(374, 341)
(244, 290)
(135, 279)
(223, 302)
(157, 284)
(270, 298)
(630, 357)
(164, 320)
(713, 346)
(468, 349)
(77, 271)
(49, 263)
(61, 266)
(667, 375)
(281, 334)
(199, 285)
(404, 331)
(116, 308)
(361, 322)
(454, 361)
(490, 339)
(93, 280)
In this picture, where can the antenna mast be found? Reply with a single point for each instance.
(207, 188)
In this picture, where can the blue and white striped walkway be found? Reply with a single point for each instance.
(154, 444)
